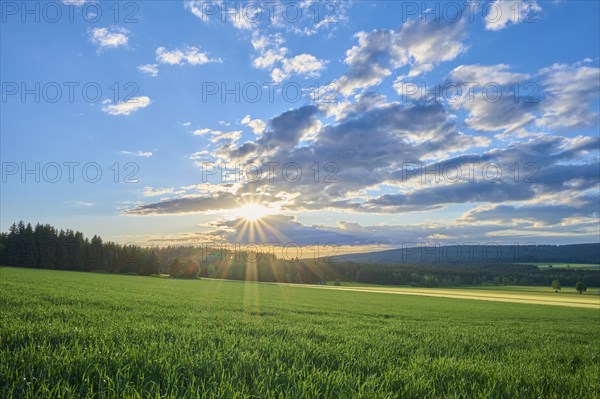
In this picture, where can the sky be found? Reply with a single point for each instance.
(350, 125)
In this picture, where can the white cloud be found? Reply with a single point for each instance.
(303, 64)
(272, 55)
(275, 14)
(559, 97)
(270, 49)
(217, 135)
(571, 89)
(241, 17)
(151, 69)
(75, 3)
(80, 204)
(152, 192)
(269, 58)
(502, 12)
(484, 74)
(419, 45)
(199, 155)
(127, 107)
(191, 55)
(142, 154)
(109, 37)
(497, 107)
(257, 125)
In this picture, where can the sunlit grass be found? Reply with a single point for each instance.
(68, 334)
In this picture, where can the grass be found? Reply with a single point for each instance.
(85, 335)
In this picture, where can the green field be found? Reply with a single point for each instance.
(69, 334)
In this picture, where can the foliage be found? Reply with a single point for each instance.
(184, 268)
(580, 287)
(556, 285)
(45, 247)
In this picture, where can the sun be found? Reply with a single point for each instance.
(252, 212)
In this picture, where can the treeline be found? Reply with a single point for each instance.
(246, 265)
(237, 265)
(447, 275)
(45, 247)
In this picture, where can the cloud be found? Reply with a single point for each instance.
(191, 55)
(156, 192)
(500, 13)
(361, 157)
(537, 214)
(150, 69)
(271, 15)
(281, 230)
(107, 38)
(75, 3)
(460, 193)
(257, 125)
(278, 229)
(240, 17)
(192, 204)
(286, 131)
(489, 97)
(366, 147)
(571, 90)
(273, 56)
(200, 155)
(126, 107)
(417, 45)
(559, 97)
(218, 135)
(142, 154)
(304, 64)
(80, 204)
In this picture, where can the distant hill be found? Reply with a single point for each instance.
(575, 253)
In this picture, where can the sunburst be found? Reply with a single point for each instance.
(252, 212)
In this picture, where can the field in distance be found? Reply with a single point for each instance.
(70, 334)
(517, 294)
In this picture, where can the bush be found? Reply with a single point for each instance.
(183, 268)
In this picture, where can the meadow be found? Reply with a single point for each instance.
(530, 295)
(70, 334)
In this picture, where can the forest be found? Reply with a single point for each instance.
(43, 246)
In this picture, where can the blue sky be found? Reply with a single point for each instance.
(157, 123)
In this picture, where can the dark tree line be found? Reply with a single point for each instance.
(45, 247)
(445, 275)
(222, 263)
